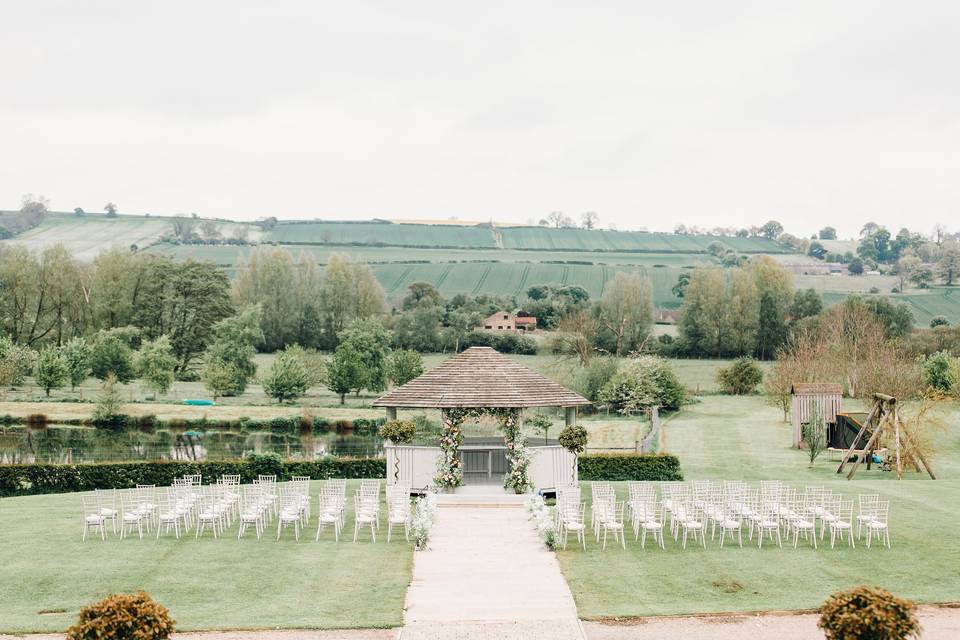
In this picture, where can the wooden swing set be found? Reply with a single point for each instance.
(884, 416)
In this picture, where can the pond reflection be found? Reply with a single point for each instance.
(70, 445)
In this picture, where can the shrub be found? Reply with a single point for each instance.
(940, 372)
(740, 377)
(646, 382)
(591, 378)
(939, 321)
(265, 464)
(398, 431)
(815, 435)
(868, 612)
(573, 438)
(127, 616)
(77, 354)
(629, 466)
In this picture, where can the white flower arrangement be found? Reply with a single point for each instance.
(543, 520)
(424, 514)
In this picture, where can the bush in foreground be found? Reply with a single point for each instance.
(868, 612)
(134, 616)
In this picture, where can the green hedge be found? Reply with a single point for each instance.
(629, 466)
(29, 479)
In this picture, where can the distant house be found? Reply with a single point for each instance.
(506, 321)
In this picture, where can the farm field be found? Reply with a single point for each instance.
(741, 438)
(206, 583)
(87, 237)
(230, 256)
(537, 238)
(373, 233)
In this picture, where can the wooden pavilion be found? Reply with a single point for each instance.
(481, 378)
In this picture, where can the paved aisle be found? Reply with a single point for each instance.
(487, 575)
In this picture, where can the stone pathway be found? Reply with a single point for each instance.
(487, 575)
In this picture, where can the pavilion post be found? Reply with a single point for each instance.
(391, 413)
(571, 416)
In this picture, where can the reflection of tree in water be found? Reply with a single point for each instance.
(66, 444)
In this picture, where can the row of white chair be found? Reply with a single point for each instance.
(773, 510)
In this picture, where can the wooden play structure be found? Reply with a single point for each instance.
(809, 398)
(883, 418)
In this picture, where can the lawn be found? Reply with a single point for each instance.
(47, 574)
(725, 438)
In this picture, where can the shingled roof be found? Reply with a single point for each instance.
(480, 377)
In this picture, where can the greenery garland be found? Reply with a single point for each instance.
(449, 466)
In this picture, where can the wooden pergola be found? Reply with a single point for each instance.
(479, 379)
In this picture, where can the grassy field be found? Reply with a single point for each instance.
(206, 583)
(726, 438)
(939, 301)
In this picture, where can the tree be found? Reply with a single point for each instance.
(948, 266)
(775, 288)
(680, 288)
(109, 404)
(50, 370)
(806, 303)
(421, 293)
(287, 379)
(771, 230)
(625, 312)
(345, 371)
(875, 246)
(827, 233)
(905, 269)
(855, 267)
(182, 301)
(372, 342)
(540, 422)
(589, 220)
(403, 366)
(112, 356)
(76, 352)
(817, 250)
(228, 362)
(155, 364)
(939, 321)
(111, 210)
(79, 212)
(559, 219)
(575, 336)
(349, 292)
(716, 248)
(815, 435)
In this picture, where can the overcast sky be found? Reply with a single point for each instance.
(649, 113)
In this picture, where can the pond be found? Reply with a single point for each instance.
(70, 444)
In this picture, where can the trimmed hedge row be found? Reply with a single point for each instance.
(30, 479)
(629, 466)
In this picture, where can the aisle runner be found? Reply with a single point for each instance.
(488, 575)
